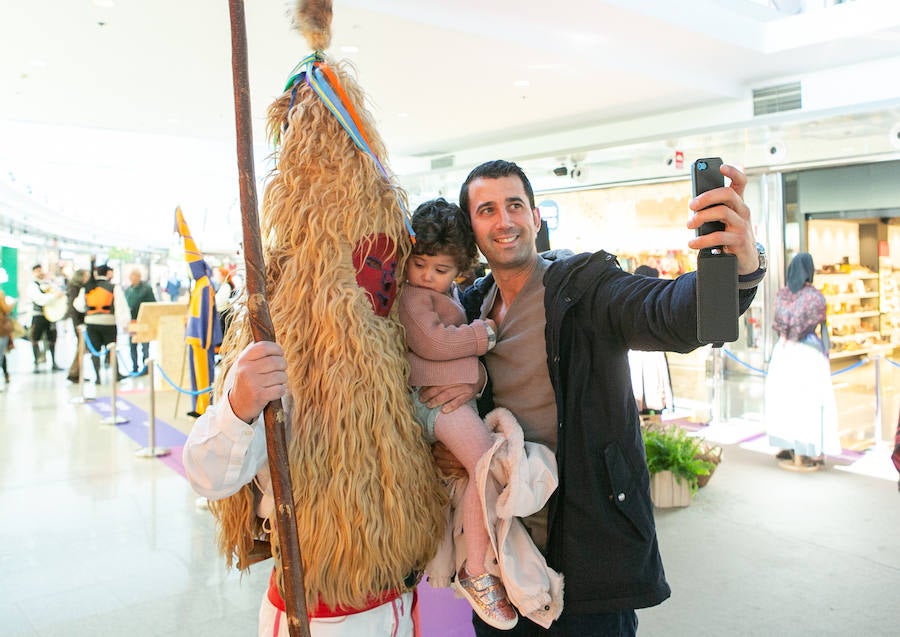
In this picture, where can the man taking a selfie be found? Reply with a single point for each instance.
(561, 366)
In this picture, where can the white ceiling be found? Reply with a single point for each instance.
(110, 116)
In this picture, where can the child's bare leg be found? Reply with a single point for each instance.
(467, 437)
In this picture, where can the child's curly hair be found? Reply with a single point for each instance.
(440, 229)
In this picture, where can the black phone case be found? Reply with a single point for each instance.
(705, 175)
(717, 298)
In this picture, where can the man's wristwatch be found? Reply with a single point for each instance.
(492, 336)
(747, 281)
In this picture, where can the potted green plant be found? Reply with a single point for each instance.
(675, 462)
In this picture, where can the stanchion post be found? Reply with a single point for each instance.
(81, 398)
(113, 418)
(877, 434)
(151, 450)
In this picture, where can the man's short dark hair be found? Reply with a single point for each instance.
(494, 170)
(103, 270)
(37, 266)
(442, 227)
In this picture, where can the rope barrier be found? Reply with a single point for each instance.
(90, 346)
(859, 363)
(189, 392)
(139, 372)
(737, 360)
(119, 359)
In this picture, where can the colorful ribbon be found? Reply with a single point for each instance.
(321, 79)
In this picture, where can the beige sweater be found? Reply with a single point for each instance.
(443, 349)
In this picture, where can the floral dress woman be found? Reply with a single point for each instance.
(800, 408)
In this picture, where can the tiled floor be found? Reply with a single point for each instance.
(97, 541)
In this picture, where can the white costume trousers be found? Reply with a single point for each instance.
(392, 619)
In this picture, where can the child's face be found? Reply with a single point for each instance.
(433, 272)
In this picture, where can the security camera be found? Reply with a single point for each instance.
(575, 172)
(560, 171)
(894, 135)
(776, 151)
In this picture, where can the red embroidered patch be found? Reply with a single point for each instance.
(375, 260)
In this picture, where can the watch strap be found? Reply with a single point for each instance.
(752, 280)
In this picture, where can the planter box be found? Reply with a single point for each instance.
(667, 491)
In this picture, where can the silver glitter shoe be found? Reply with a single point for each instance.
(487, 596)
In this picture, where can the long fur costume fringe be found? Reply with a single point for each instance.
(369, 504)
(313, 19)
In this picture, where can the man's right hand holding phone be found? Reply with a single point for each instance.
(726, 204)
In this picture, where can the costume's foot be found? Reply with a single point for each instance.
(56, 368)
(785, 454)
(488, 599)
(72, 379)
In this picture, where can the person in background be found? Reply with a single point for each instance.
(136, 294)
(650, 378)
(6, 325)
(73, 290)
(43, 296)
(801, 413)
(173, 288)
(560, 365)
(104, 304)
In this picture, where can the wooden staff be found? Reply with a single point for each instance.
(263, 330)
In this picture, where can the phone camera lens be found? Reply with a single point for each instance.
(701, 165)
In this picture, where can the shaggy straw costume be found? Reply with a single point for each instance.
(370, 507)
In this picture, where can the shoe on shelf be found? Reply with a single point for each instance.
(785, 454)
(487, 596)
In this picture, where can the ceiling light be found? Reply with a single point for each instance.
(349, 49)
(106, 4)
(522, 83)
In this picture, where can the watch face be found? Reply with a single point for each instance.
(763, 262)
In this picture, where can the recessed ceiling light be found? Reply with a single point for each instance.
(106, 4)
(402, 114)
(39, 63)
(522, 83)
